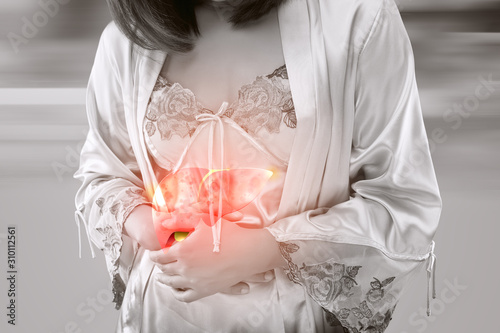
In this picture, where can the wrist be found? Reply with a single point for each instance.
(139, 226)
(268, 250)
(277, 258)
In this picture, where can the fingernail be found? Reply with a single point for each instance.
(244, 290)
(268, 276)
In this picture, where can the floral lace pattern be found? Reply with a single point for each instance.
(118, 207)
(119, 288)
(264, 103)
(172, 110)
(336, 287)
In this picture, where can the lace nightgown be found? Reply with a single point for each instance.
(258, 132)
(357, 219)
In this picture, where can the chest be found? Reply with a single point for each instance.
(226, 58)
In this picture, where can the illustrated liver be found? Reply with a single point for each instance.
(190, 194)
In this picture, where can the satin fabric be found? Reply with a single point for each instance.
(277, 138)
(360, 175)
(260, 309)
(221, 144)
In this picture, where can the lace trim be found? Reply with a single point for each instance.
(293, 270)
(119, 206)
(172, 111)
(118, 288)
(358, 308)
(263, 103)
(334, 322)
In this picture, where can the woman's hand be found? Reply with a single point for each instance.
(194, 271)
(152, 229)
(242, 287)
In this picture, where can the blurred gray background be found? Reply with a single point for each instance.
(43, 124)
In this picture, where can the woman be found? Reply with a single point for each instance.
(354, 213)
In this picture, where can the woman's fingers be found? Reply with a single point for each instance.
(187, 295)
(172, 268)
(163, 256)
(234, 216)
(179, 288)
(174, 281)
(240, 288)
(261, 277)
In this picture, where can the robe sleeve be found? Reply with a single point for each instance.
(355, 258)
(111, 184)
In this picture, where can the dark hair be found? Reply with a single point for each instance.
(171, 24)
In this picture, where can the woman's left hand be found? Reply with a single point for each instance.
(194, 271)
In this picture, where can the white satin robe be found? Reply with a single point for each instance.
(361, 203)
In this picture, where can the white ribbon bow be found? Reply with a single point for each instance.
(215, 118)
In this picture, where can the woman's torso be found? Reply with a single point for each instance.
(255, 65)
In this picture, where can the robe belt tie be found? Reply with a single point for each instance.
(79, 218)
(431, 278)
(214, 119)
